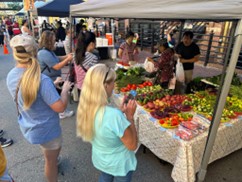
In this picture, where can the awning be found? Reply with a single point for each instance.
(57, 8)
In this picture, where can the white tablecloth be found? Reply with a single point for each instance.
(186, 156)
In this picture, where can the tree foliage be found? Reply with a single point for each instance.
(15, 5)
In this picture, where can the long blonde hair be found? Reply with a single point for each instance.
(30, 81)
(93, 98)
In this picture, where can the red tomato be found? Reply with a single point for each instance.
(133, 87)
(129, 85)
(126, 89)
(162, 121)
(144, 84)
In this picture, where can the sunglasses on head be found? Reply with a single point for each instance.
(105, 78)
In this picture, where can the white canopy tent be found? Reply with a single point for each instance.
(177, 10)
(165, 9)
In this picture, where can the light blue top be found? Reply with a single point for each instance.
(49, 59)
(39, 124)
(109, 154)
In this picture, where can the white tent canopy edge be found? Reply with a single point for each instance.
(165, 9)
(177, 9)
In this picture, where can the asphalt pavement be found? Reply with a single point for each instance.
(26, 164)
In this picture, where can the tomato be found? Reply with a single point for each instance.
(133, 87)
(126, 89)
(144, 84)
(150, 84)
(122, 89)
(141, 86)
(162, 121)
(129, 86)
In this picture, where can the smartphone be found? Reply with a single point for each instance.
(131, 96)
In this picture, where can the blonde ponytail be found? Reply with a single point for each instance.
(30, 82)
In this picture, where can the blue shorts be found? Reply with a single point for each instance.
(104, 177)
(6, 176)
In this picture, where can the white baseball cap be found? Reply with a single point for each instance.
(25, 41)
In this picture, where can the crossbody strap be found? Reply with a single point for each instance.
(16, 96)
(46, 67)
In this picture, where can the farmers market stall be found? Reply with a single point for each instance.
(185, 156)
(175, 127)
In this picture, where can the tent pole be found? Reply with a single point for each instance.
(221, 102)
(71, 43)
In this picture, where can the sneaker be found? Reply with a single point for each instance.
(5, 142)
(66, 114)
(1, 133)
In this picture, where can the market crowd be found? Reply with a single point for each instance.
(41, 95)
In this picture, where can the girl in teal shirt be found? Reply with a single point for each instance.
(112, 134)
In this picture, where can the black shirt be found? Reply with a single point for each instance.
(188, 52)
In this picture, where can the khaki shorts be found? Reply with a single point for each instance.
(53, 144)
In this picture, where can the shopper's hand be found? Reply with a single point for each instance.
(67, 86)
(69, 57)
(57, 82)
(182, 60)
(178, 55)
(129, 109)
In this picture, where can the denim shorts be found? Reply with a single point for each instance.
(6, 176)
(104, 177)
(53, 144)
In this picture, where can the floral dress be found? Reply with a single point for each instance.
(165, 65)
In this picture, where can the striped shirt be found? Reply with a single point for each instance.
(90, 60)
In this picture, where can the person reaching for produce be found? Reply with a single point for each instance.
(128, 52)
(111, 131)
(164, 64)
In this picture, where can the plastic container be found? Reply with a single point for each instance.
(105, 42)
(99, 42)
(109, 36)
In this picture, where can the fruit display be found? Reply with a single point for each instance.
(172, 100)
(150, 94)
(135, 86)
(173, 111)
(174, 120)
(203, 103)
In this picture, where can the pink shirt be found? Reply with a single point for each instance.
(90, 60)
(128, 52)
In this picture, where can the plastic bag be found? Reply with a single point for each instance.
(149, 66)
(172, 82)
(180, 76)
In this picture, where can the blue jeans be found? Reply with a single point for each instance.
(104, 177)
